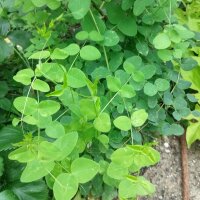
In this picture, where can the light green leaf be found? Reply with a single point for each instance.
(23, 155)
(66, 144)
(110, 38)
(117, 171)
(139, 117)
(138, 76)
(40, 55)
(84, 169)
(162, 41)
(48, 107)
(113, 83)
(59, 54)
(90, 53)
(55, 130)
(192, 133)
(40, 85)
(162, 84)
(123, 156)
(48, 151)
(26, 105)
(65, 187)
(95, 36)
(88, 109)
(76, 78)
(53, 4)
(150, 89)
(123, 123)
(72, 49)
(79, 8)
(82, 35)
(127, 91)
(51, 71)
(135, 186)
(24, 76)
(102, 123)
(39, 3)
(36, 170)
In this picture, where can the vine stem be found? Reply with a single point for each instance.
(185, 169)
(104, 49)
(114, 96)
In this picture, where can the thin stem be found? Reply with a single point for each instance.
(114, 96)
(61, 114)
(104, 50)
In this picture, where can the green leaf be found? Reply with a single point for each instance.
(161, 41)
(82, 35)
(48, 107)
(66, 144)
(139, 117)
(65, 187)
(36, 170)
(8, 195)
(122, 123)
(84, 169)
(135, 186)
(189, 64)
(53, 4)
(51, 71)
(138, 76)
(1, 166)
(31, 191)
(172, 129)
(22, 154)
(26, 105)
(127, 25)
(113, 83)
(40, 55)
(9, 135)
(150, 89)
(40, 86)
(127, 91)
(143, 156)
(76, 78)
(117, 171)
(110, 38)
(142, 48)
(192, 133)
(3, 88)
(72, 49)
(59, 54)
(102, 123)
(123, 156)
(79, 8)
(88, 109)
(55, 130)
(48, 151)
(165, 55)
(39, 3)
(162, 84)
(90, 53)
(24, 76)
(95, 36)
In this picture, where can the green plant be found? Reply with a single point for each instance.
(102, 81)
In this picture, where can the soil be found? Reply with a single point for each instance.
(167, 174)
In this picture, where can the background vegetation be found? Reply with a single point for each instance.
(86, 88)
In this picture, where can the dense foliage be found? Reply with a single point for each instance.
(87, 85)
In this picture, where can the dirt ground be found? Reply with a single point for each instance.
(167, 174)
